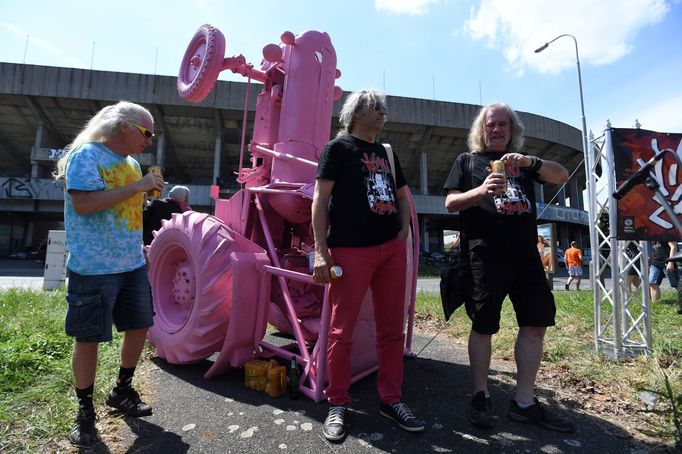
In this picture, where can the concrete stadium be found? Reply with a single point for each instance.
(42, 109)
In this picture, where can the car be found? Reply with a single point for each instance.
(438, 257)
(560, 257)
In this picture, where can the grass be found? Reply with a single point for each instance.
(37, 402)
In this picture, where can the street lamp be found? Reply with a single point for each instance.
(587, 159)
(580, 86)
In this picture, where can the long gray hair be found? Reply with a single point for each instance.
(353, 104)
(104, 125)
(475, 140)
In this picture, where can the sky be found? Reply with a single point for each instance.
(467, 51)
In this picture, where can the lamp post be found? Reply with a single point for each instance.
(588, 167)
(580, 87)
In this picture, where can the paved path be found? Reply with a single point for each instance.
(195, 415)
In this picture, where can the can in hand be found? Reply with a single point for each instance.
(154, 193)
(335, 272)
(498, 167)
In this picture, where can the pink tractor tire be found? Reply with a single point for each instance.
(201, 64)
(191, 279)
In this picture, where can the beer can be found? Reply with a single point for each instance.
(498, 167)
(335, 272)
(154, 193)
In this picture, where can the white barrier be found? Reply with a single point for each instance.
(55, 260)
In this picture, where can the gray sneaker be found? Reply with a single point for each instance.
(334, 428)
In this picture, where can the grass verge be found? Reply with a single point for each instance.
(37, 402)
(570, 363)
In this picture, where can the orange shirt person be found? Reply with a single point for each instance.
(574, 262)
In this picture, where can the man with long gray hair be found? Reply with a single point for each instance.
(369, 219)
(103, 194)
(498, 223)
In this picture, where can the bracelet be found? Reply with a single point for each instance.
(535, 163)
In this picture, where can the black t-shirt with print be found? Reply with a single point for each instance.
(506, 223)
(660, 253)
(364, 209)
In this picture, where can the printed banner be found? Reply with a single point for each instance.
(546, 247)
(640, 216)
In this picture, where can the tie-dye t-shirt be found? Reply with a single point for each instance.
(108, 241)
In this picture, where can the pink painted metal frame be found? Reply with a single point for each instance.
(292, 125)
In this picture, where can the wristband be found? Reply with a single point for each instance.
(535, 163)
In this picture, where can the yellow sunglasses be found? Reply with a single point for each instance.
(145, 132)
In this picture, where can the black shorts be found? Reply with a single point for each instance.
(522, 278)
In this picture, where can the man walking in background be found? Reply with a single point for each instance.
(574, 263)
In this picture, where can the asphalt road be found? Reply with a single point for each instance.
(29, 274)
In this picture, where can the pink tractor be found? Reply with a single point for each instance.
(218, 281)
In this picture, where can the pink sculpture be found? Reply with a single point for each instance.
(218, 281)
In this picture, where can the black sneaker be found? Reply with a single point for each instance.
(334, 428)
(128, 402)
(481, 411)
(538, 414)
(401, 414)
(84, 433)
(566, 286)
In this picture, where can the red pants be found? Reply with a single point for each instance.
(383, 269)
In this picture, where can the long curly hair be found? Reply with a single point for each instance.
(101, 127)
(475, 140)
(353, 104)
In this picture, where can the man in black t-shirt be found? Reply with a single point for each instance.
(661, 251)
(160, 209)
(498, 216)
(365, 204)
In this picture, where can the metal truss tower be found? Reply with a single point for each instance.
(622, 316)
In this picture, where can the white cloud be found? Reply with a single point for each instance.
(13, 28)
(411, 7)
(603, 29)
(61, 56)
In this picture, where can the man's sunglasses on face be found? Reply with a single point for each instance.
(145, 132)
(377, 106)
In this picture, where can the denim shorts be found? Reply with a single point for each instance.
(656, 275)
(98, 301)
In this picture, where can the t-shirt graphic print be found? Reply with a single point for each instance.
(380, 190)
(514, 200)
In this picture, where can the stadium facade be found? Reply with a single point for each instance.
(42, 109)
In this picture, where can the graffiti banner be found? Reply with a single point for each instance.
(640, 216)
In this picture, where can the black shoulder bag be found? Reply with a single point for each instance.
(455, 277)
